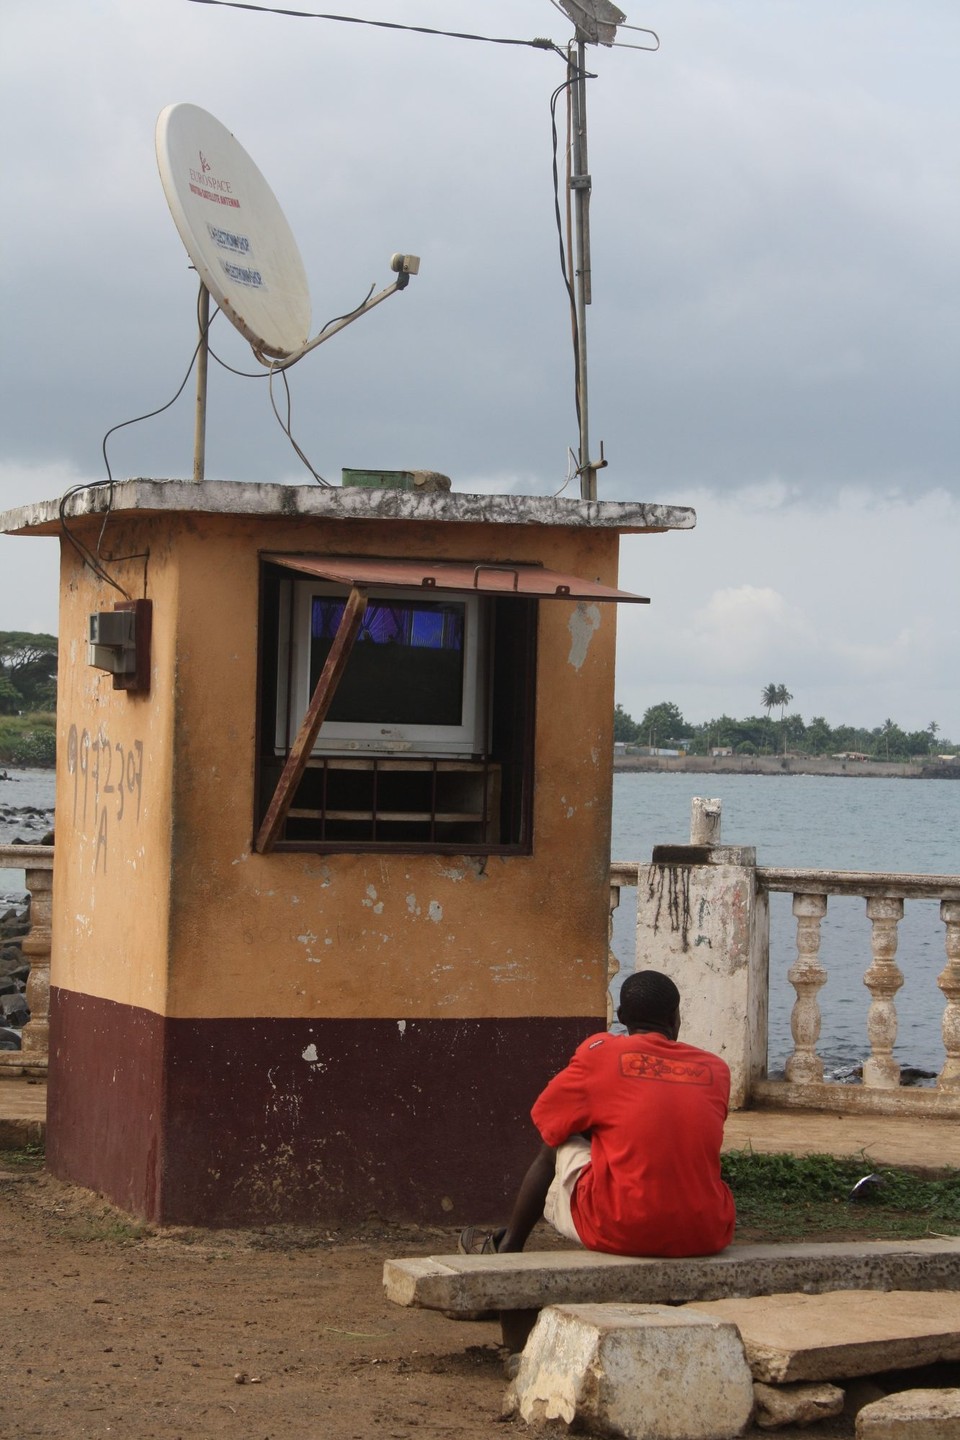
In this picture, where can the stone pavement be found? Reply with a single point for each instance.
(23, 1111)
(918, 1142)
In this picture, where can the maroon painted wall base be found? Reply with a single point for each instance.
(232, 1122)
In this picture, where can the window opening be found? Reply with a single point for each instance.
(423, 739)
(425, 742)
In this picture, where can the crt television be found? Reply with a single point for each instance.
(415, 682)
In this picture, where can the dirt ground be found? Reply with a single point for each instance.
(112, 1329)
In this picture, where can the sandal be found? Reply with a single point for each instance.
(475, 1241)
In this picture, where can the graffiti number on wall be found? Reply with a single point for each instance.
(107, 784)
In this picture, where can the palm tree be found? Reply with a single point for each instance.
(772, 695)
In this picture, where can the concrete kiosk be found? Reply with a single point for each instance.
(351, 1009)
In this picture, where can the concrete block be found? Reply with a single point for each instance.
(779, 1405)
(464, 1283)
(644, 1372)
(912, 1415)
(843, 1333)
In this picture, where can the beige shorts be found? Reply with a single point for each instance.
(572, 1157)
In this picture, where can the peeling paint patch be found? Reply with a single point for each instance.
(308, 939)
(372, 902)
(452, 872)
(435, 911)
(583, 623)
(402, 1026)
(412, 905)
(310, 1055)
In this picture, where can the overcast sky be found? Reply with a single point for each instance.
(773, 340)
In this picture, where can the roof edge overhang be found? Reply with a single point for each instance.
(239, 499)
(482, 577)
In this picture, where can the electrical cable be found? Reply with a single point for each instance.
(571, 80)
(91, 558)
(285, 426)
(537, 44)
(334, 320)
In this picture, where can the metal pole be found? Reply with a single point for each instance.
(580, 184)
(200, 423)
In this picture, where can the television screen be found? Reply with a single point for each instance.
(406, 666)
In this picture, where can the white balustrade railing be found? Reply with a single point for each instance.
(37, 863)
(884, 895)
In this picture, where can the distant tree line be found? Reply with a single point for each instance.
(663, 726)
(28, 698)
(28, 672)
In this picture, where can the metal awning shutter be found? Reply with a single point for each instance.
(484, 576)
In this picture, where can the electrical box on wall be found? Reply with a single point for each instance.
(118, 641)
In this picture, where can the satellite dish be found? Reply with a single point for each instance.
(234, 231)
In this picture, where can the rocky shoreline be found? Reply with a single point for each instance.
(786, 765)
(19, 825)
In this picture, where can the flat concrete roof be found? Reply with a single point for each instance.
(275, 501)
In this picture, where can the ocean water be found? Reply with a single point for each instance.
(839, 823)
(26, 813)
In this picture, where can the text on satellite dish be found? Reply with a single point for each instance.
(228, 241)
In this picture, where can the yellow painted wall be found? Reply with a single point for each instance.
(185, 919)
(111, 881)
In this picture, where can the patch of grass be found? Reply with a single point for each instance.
(29, 739)
(108, 1227)
(27, 1157)
(784, 1197)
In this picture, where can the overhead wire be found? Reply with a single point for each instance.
(539, 43)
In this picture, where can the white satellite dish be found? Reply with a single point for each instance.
(234, 230)
(242, 248)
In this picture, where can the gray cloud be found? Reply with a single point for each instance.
(775, 293)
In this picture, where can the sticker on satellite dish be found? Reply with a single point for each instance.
(256, 275)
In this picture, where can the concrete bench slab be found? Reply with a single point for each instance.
(466, 1284)
(839, 1335)
(912, 1415)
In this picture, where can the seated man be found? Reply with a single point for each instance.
(632, 1129)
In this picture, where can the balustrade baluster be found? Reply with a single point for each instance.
(807, 976)
(949, 982)
(613, 964)
(883, 980)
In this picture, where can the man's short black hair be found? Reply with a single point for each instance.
(648, 998)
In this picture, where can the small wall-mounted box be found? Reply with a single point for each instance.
(118, 641)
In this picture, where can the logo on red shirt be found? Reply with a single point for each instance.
(638, 1065)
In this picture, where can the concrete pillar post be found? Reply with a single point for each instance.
(702, 920)
(949, 982)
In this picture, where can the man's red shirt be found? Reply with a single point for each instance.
(653, 1109)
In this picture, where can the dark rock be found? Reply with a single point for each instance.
(9, 1038)
(14, 1009)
